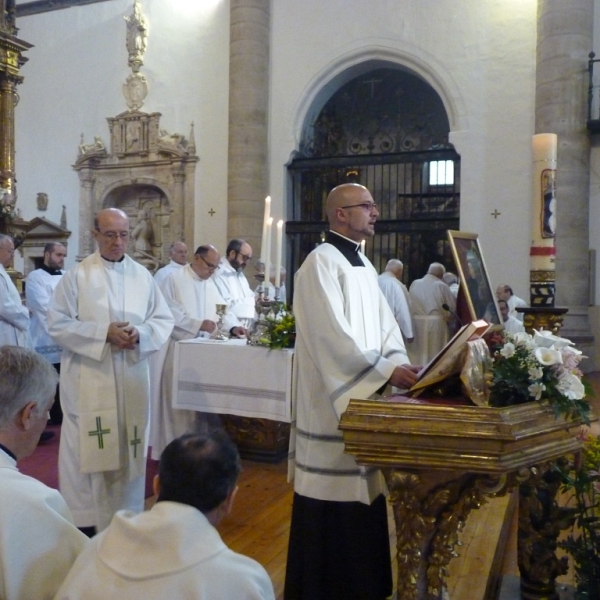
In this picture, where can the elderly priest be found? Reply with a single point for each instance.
(109, 316)
(38, 540)
(348, 345)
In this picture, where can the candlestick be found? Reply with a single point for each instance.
(278, 254)
(264, 231)
(267, 257)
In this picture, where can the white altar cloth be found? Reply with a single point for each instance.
(231, 379)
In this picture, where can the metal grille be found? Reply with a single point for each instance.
(414, 214)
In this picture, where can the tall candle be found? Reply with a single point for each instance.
(263, 244)
(278, 254)
(267, 256)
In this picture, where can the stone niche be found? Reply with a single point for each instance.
(149, 174)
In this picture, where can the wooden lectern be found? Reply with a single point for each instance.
(440, 462)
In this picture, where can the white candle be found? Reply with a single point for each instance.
(278, 254)
(267, 256)
(263, 244)
(362, 246)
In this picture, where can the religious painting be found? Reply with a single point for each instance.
(475, 285)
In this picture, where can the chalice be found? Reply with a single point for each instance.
(218, 333)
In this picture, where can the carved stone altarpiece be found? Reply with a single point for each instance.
(149, 174)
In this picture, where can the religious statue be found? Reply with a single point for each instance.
(137, 34)
(142, 236)
(96, 146)
(42, 201)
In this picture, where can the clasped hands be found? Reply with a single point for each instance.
(122, 335)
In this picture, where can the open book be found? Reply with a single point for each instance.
(449, 360)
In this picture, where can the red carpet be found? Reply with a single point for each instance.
(43, 463)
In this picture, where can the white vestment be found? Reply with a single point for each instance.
(170, 551)
(14, 317)
(347, 346)
(191, 300)
(104, 391)
(39, 288)
(38, 540)
(394, 294)
(165, 271)
(513, 325)
(514, 302)
(427, 295)
(234, 287)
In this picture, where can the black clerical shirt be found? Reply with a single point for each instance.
(347, 247)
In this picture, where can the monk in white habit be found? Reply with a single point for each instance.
(395, 292)
(348, 345)
(109, 316)
(14, 317)
(174, 550)
(232, 282)
(38, 539)
(178, 259)
(192, 296)
(430, 318)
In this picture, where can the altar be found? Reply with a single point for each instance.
(249, 386)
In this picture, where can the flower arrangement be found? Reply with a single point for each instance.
(583, 544)
(538, 367)
(281, 329)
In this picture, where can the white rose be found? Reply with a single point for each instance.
(548, 356)
(523, 339)
(571, 387)
(508, 350)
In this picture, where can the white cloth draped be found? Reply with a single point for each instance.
(347, 346)
(14, 317)
(191, 301)
(39, 542)
(40, 286)
(104, 391)
(170, 551)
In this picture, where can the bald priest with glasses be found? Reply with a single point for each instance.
(109, 316)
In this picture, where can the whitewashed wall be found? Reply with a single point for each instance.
(73, 82)
(480, 57)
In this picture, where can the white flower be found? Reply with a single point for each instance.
(548, 356)
(546, 339)
(535, 373)
(508, 350)
(523, 339)
(536, 389)
(570, 386)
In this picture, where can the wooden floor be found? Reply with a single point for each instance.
(259, 528)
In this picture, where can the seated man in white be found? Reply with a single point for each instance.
(174, 550)
(511, 324)
(38, 540)
(178, 255)
(192, 296)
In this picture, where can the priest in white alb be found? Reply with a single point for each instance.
(232, 282)
(178, 259)
(433, 307)
(14, 317)
(348, 345)
(192, 296)
(395, 292)
(109, 316)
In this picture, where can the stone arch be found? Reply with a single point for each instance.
(360, 61)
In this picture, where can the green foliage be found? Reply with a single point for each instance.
(281, 331)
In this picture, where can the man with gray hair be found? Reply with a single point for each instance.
(39, 542)
(433, 306)
(14, 317)
(178, 255)
(395, 292)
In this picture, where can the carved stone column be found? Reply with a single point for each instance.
(564, 31)
(86, 213)
(248, 106)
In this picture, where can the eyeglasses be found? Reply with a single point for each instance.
(368, 206)
(244, 256)
(210, 266)
(113, 235)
